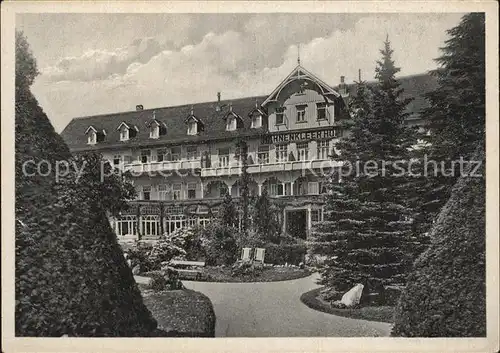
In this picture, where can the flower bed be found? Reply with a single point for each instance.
(371, 313)
(181, 313)
(267, 274)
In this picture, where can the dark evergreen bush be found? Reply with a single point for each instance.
(71, 275)
(281, 254)
(445, 295)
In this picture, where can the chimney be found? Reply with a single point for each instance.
(218, 107)
(139, 107)
(342, 79)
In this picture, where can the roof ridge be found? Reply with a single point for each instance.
(167, 107)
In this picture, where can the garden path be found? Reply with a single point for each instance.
(274, 309)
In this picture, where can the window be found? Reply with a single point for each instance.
(301, 113)
(150, 225)
(146, 193)
(317, 215)
(231, 123)
(321, 111)
(162, 192)
(323, 147)
(124, 134)
(175, 153)
(312, 188)
(222, 189)
(176, 191)
(117, 160)
(191, 187)
(161, 154)
(256, 121)
(263, 155)
(155, 131)
(145, 156)
(126, 225)
(92, 138)
(223, 157)
(276, 189)
(303, 151)
(192, 128)
(280, 116)
(192, 152)
(281, 153)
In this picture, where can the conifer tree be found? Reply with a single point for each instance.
(366, 235)
(244, 180)
(264, 219)
(71, 276)
(456, 115)
(227, 214)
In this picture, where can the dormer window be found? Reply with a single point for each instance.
(124, 135)
(154, 132)
(192, 128)
(91, 135)
(92, 138)
(231, 123)
(256, 121)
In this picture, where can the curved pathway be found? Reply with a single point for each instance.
(274, 309)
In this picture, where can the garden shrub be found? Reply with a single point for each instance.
(71, 275)
(285, 253)
(445, 294)
(220, 244)
(159, 282)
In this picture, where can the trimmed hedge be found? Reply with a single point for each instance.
(279, 254)
(71, 275)
(182, 313)
(445, 294)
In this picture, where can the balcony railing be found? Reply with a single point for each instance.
(138, 167)
(226, 170)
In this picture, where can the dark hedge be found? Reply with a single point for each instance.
(280, 254)
(71, 276)
(445, 294)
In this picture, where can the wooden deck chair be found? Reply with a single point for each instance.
(245, 254)
(259, 255)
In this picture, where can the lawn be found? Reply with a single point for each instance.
(371, 313)
(268, 274)
(181, 313)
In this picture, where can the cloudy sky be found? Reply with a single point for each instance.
(101, 63)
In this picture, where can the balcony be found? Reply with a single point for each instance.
(269, 167)
(166, 166)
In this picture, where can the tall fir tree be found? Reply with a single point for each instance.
(228, 215)
(366, 236)
(264, 218)
(456, 115)
(244, 180)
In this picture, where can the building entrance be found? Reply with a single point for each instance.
(296, 223)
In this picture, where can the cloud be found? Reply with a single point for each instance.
(101, 64)
(245, 62)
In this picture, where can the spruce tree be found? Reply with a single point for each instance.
(456, 115)
(227, 214)
(366, 236)
(264, 220)
(244, 180)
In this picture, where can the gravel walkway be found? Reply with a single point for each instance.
(273, 309)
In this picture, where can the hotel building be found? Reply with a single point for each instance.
(184, 159)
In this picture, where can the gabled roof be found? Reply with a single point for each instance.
(214, 125)
(157, 122)
(90, 128)
(299, 73)
(173, 117)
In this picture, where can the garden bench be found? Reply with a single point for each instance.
(183, 263)
(190, 274)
